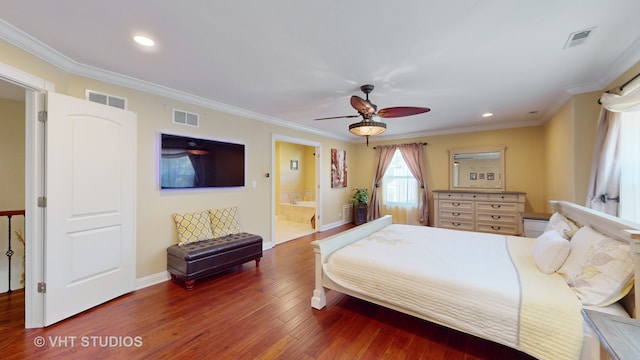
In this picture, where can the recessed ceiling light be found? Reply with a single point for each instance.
(488, 114)
(143, 40)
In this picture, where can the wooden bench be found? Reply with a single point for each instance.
(197, 260)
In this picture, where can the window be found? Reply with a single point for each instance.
(399, 186)
(177, 171)
(630, 166)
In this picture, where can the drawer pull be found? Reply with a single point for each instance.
(495, 206)
(496, 227)
(455, 214)
(455, 204)
(455, 223)
(496, 217)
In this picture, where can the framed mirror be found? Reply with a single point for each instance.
(477, 169)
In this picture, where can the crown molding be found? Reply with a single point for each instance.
(460, 130)
(620, 65)
(37, 48)
(34, 46)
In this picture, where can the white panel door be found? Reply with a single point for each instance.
(89, 245)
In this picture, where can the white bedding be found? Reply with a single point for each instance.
(467, 281)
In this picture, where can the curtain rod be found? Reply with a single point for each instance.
(629, 82)
(621, 87)
(423, 144)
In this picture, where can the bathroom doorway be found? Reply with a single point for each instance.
(296, 191)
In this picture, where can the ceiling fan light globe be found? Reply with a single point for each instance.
(367, 128)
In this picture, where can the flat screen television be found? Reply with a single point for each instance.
(187, 162)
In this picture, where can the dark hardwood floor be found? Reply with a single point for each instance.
(245, 313)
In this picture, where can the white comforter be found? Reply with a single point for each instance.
(465, 280)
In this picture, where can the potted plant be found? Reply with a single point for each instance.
(360, 202)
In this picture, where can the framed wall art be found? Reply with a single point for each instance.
(338, 168)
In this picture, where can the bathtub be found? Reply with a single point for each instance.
(300, 212)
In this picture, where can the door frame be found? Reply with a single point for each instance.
(274, 197)
(35, 88)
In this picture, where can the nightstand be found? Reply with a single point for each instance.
(534, 223)
(618, 335)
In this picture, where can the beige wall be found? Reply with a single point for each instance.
(568, 144)
(524, 160)
(294, 180)
(568, 147)
(540, 160)
(12, 188)
(155, 229)
(12, 156)
(287, 180)
(559, 155)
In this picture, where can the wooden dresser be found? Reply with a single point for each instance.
(495, 212)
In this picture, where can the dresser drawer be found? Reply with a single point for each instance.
(498, 228)
(503, 197)
(457, 225)
(475, 197)
(456, 215)
(497, 218)
(455, 205)
(482, 211)
(496, 206)
(446, 195)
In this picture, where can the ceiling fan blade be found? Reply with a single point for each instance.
(401, 111)
(338, 117)
(363, 106)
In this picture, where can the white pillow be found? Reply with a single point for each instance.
(599, 268)
(550, 251)
(562, 225)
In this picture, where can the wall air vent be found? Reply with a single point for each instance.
(186, 118)
(578, 37)
(106, 99)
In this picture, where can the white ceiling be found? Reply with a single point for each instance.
(294, 61)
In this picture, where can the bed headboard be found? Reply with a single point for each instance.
(614, 227)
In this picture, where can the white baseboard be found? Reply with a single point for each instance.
(333, 225)
(146, 281)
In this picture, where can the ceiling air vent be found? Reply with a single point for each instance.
(186, 118)
(106, 99)
(578, 37)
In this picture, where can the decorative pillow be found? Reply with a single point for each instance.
(224, 221)
(550, 251)
(599, 269)
(193, 227)
(562, 225)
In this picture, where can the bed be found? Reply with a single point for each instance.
(496, 287)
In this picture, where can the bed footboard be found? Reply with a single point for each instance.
(324, 248)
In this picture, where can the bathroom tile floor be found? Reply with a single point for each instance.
(289, 230)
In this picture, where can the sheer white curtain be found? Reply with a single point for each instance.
(605, 178)
(630, 167)
(399, 186)
(604, 181)
(399, 192)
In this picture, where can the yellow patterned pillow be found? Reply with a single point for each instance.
(193, 227)
(224, 221)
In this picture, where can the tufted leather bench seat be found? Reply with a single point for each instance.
(197, 260)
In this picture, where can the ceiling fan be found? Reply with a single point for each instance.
(367, 110)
